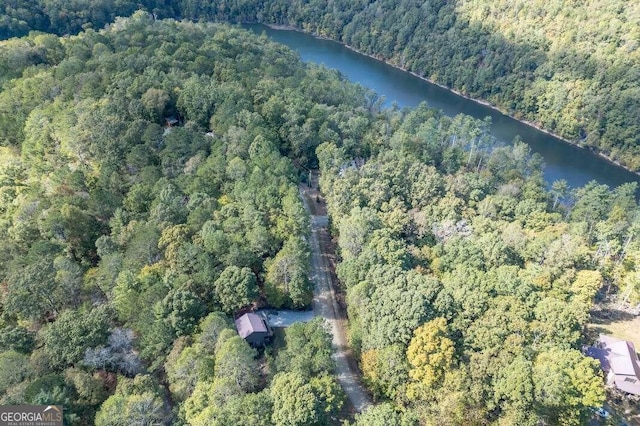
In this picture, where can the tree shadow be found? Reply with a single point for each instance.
(610, 316)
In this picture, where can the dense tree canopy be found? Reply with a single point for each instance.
(148, 194)
(124, 238)
(569, 68)
(464, 276)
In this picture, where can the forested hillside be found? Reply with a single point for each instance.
(570, 68)
(468, 286)
(18, 17)
(148, 194)
(126, 246)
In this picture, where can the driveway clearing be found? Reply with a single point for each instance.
(324, 301)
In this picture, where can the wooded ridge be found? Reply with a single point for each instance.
(149, 179)
(572, 69)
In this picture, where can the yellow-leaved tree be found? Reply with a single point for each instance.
(431, 355)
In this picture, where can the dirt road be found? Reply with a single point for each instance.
(324, 300)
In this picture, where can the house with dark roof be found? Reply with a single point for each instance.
(619, 361)
(254, 329)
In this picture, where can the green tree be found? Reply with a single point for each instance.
(182, 310)
(184, 370)
(155, 102)
(559, 323)
(567, 384)
(135, 401)
(381, 415)
(514, 390)
(287, 275)
(330, 394)
(145, 408)
(210, 328)
(32, 292)
(73, 332)
(308, 349)
(13, 369)
(90, 388)
(395, 306)
(16, 338)
(235, 288)
(235, 360)
(586, 285)
(294, 401)
(386, 370)
(355, 229)
(240, 410)
(559, 190)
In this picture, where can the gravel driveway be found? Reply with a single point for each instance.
(324, 302)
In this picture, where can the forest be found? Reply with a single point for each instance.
(127, 245)
(149, 179)
(468, 285)
(572, 69)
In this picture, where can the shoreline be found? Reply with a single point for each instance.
(456, 92)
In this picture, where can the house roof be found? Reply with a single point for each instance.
(250, 323)
(621, 355)
(600, 355)
(618, 357)
(629, 385)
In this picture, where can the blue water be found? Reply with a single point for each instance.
(562, 161)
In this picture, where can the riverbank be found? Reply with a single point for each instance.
(482, 102)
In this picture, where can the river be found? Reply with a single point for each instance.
(562, 160)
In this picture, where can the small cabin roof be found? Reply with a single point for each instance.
(250, 323)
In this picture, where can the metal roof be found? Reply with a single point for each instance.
(250, 323)
(619, 358)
